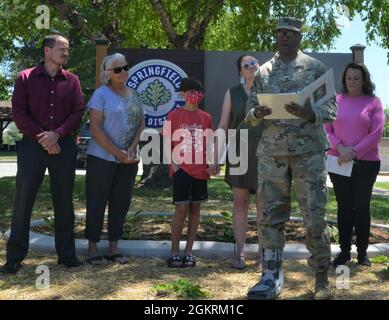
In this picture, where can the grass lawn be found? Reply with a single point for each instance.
(7, 155)
(147, 199)
(382, 185)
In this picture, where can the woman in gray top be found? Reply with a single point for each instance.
(232, 116)
(116, 122)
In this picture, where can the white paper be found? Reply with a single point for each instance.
(277, 103)
(317, 92)
(320, 90)
(344, 170)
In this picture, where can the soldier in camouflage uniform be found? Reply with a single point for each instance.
(291, 150)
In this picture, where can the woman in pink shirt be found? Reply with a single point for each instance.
(355, 136)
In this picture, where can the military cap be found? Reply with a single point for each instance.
(289, 23)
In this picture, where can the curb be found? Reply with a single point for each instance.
(203, 249)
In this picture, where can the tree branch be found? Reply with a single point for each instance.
(79, 24)
(166, 22)
(66, 12)
(196, 29)
(194, 36)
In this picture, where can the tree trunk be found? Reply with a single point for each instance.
(155, 175)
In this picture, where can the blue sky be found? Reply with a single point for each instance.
(375, 57)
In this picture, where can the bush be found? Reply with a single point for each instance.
(130, 229)
(11, 135)
(228, 233)
(386, 126)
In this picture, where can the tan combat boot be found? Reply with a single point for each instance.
(322, 286)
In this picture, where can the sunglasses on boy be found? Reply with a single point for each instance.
(117, 70)
(250, 64)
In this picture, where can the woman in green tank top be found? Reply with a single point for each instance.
(232, 117)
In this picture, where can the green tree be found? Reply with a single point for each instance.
(206, 24)
(248, 25)
(5, 83)
(199, 24)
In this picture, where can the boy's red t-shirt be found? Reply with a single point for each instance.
(191, 140)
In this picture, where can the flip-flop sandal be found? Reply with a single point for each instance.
(189, 261)
(97, 261)
(175, 262)
(117, 258)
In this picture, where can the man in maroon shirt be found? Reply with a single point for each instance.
(47, 106)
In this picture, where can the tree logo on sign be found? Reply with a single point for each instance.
(155, 94)
(157, 83)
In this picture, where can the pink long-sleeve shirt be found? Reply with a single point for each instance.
(359, 124)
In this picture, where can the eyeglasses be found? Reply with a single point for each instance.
(249, 64)
(117, 70)
(289, 34)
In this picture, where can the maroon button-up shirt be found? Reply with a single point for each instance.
(44, 103)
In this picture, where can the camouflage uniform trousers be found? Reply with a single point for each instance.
(275, 175)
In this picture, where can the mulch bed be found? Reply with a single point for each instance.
(210, 229)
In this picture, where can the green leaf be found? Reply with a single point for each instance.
(334, 233)
(380, 259)
(181, 287)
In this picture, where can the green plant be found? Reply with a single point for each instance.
(386, 126)
(181, 287)
(207, 221)
(334, 233)
(130, 228)
(227, 217)
(380, 259)
(228, 233)
(383, 274)
(50, 223)
(4, 285)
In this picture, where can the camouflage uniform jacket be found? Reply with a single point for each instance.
(290, 137)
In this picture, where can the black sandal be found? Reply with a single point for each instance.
(189, 261)
(174, 262)
(97, 261)
(117, 258)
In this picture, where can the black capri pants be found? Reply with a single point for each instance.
(112, 183)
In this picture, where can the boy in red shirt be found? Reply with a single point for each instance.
(187, 130)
